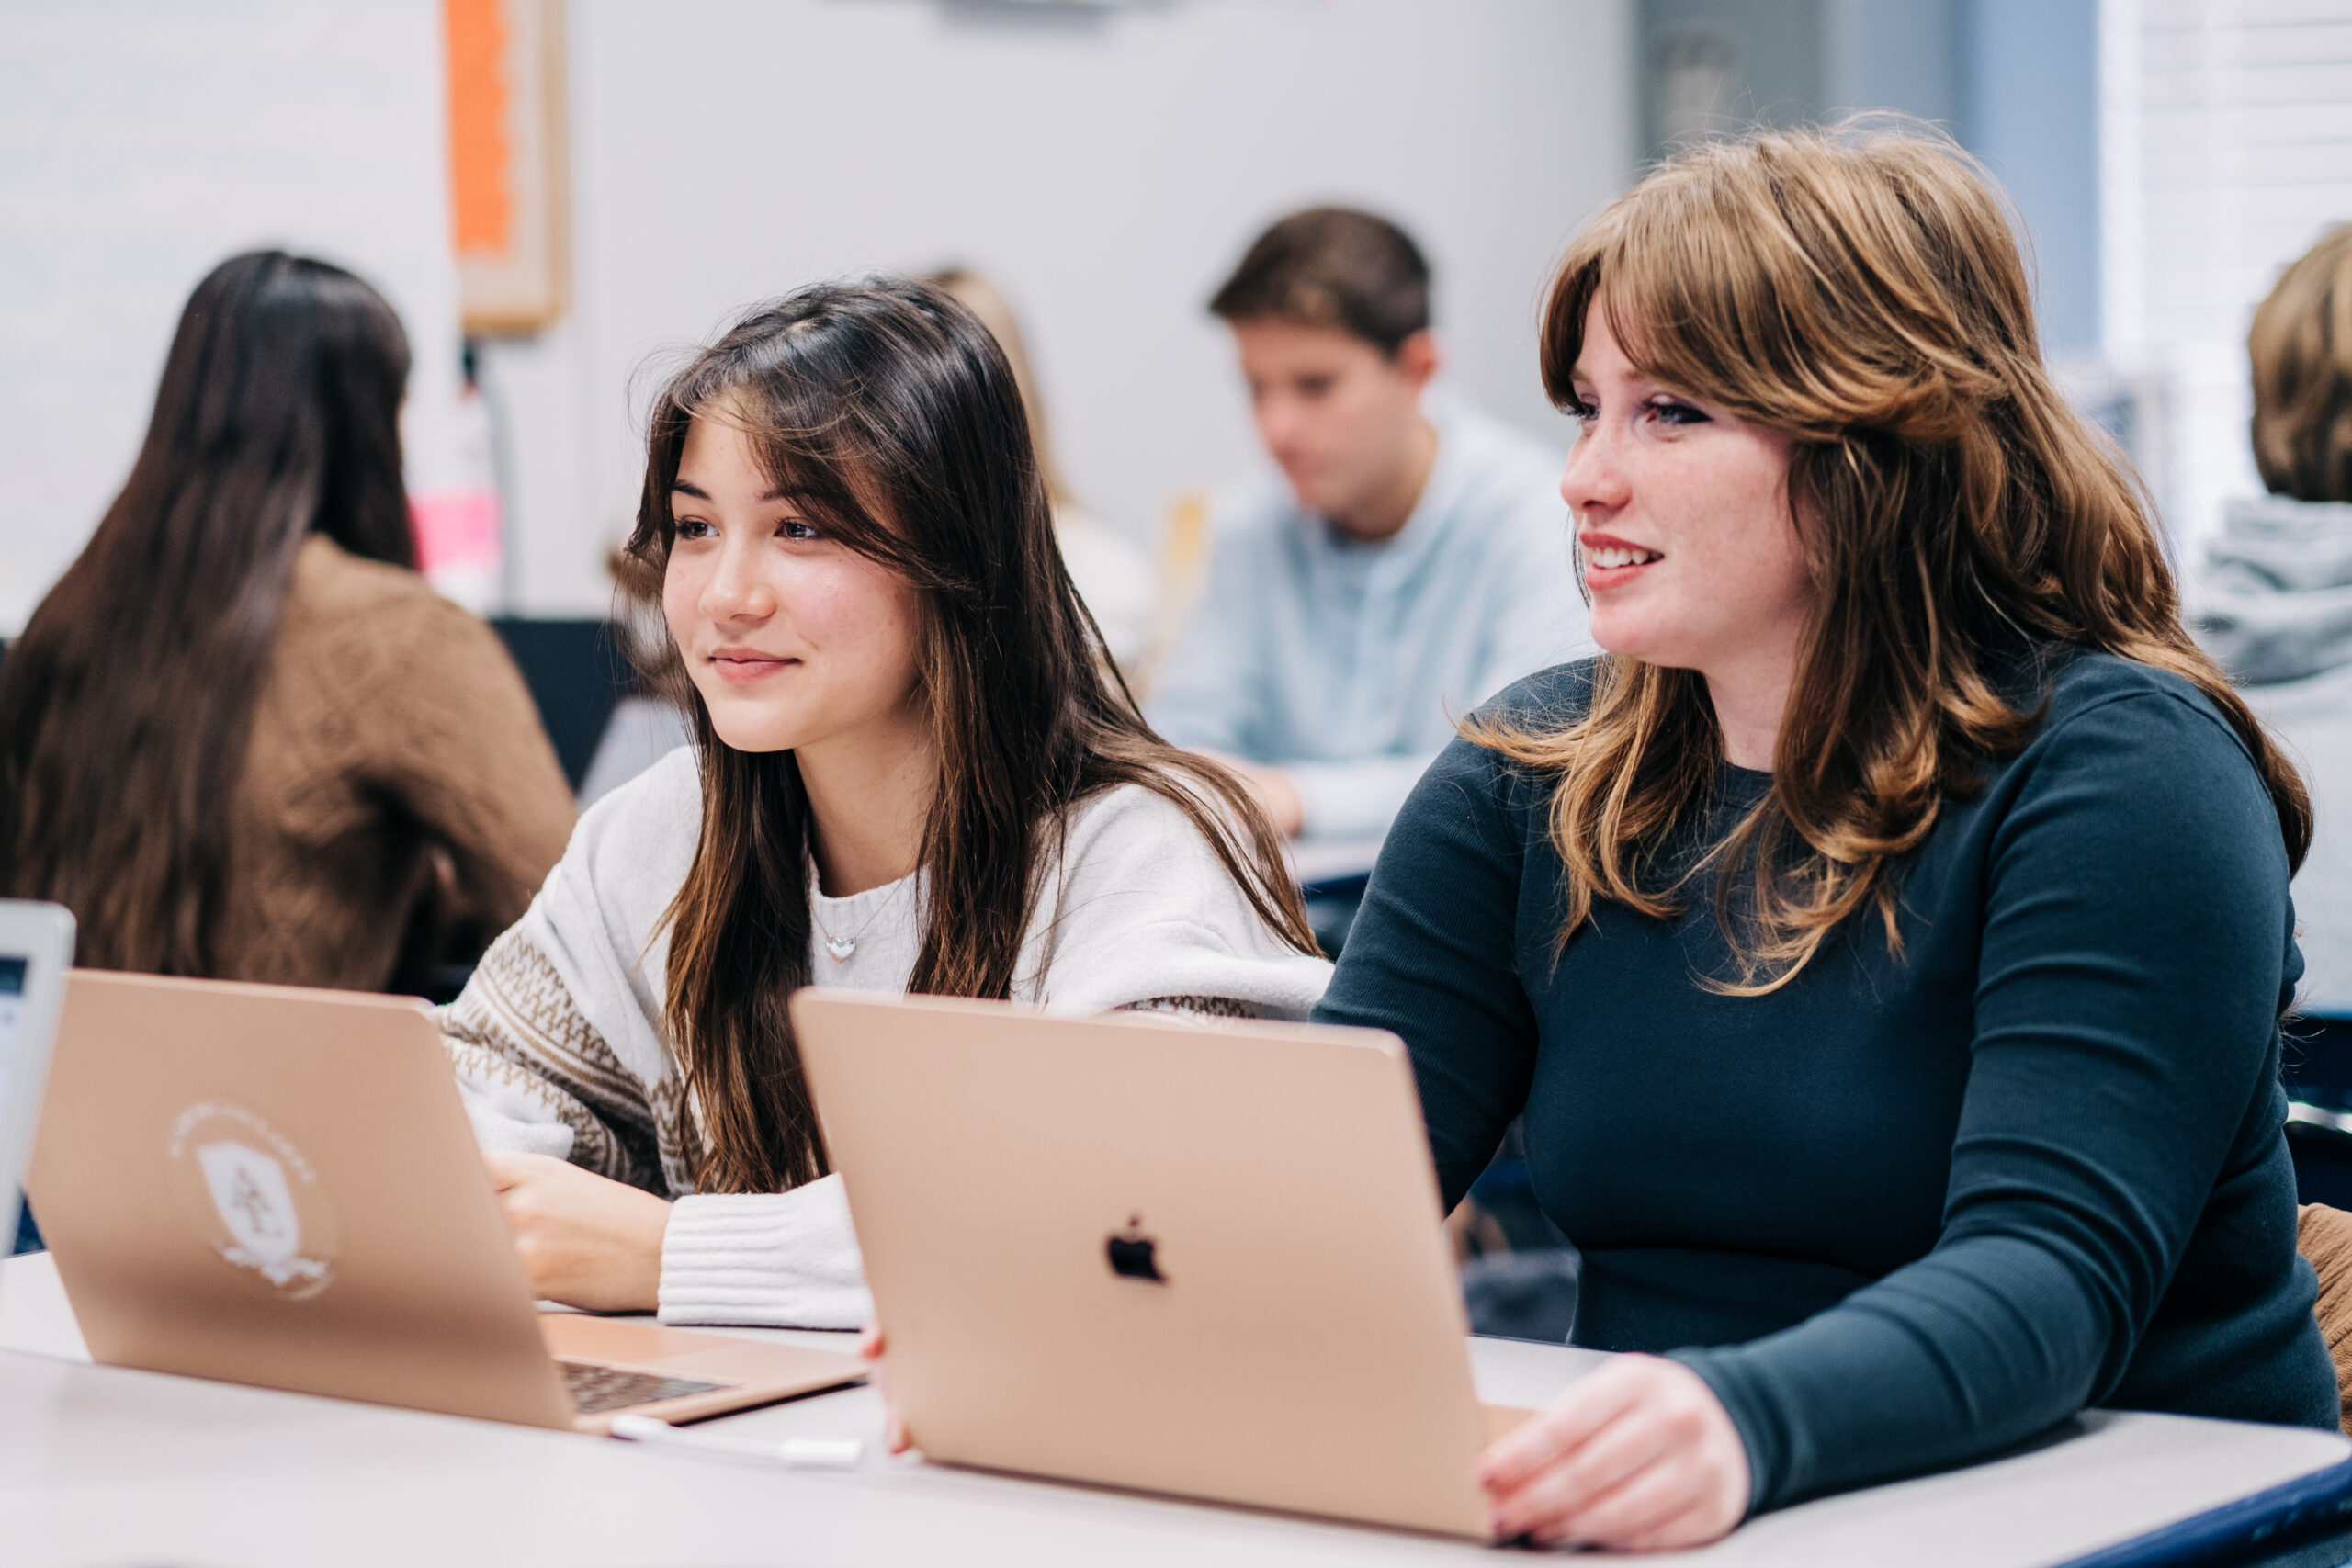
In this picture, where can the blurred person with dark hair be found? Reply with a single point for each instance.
(242, 737)
(2275, 603)
(1409, 562)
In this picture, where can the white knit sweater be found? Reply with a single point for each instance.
(559, 1050)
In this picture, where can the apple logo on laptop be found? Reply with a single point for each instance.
(1130, 1252)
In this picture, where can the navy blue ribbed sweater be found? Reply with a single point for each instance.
(1908, 1209)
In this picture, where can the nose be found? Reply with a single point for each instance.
(1595, 478)
(738, 588)
(1277, 421)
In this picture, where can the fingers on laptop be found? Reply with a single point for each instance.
(1639, 1455)
(871, 1344)
(584, 1239)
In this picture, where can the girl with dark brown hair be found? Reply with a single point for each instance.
(242, 737)
(913, 770)
(1884, 941)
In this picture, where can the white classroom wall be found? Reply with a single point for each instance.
(2227, 146)
(1105, 165)
(144, 141)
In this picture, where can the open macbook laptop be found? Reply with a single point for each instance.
(36, 950)
(1134, 1251)
(279, 1187)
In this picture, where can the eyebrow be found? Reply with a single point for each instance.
(684, 488)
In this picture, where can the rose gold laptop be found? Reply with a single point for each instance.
(1138, 1252)
(274, 1186)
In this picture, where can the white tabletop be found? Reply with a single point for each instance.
(100, 1465)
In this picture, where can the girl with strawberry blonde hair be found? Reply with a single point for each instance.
(1884, 941)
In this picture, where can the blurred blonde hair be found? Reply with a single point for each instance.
(979, 294)
(1860, 290)
(2301, 348)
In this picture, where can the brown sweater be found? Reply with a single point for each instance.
(396, 757)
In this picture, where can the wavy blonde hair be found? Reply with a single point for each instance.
(1861, 292)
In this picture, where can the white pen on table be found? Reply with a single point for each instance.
(796, 1453)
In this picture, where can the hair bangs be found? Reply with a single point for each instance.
(813, 449)
(1677, 293)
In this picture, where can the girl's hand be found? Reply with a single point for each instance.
(584, 1239)
(1638, 1456)
(894, 1431)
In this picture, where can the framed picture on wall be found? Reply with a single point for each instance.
(507, 137)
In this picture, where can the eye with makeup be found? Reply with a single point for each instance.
(1671, 410)
(693, 529)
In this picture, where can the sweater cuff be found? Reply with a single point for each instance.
(781, 1261)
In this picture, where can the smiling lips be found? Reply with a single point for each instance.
(1611, 562)
(741, 664)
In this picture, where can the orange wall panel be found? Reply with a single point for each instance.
(481, 156)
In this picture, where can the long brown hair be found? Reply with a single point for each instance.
(891, 416)
(2300, 349)
(127, 706)
(1861, 292)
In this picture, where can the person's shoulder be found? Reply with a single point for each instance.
(1489, 790)
(1487, 759)
(329, 578)
(1134, 838)
(363, 630)
(1135, 822)
(1255, 512)
(1551, 699)
(337, 596)
(2084, 686)
(2137, 743)
(2137, 766)
(631, 851)
(1135, 854)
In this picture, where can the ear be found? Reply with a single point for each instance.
(1418, 359)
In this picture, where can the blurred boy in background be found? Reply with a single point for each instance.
(1409, 559)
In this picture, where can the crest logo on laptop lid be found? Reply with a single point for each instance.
(253, 1198)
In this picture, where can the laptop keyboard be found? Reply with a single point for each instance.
(597, 1389)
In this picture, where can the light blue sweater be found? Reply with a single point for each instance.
(1347, 664)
